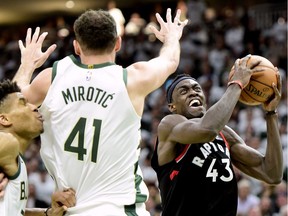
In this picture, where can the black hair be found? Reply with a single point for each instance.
(173, 84)
(8, 87)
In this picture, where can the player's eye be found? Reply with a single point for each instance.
(183, 91)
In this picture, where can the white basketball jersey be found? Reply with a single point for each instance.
(16, 192)
(92, 135)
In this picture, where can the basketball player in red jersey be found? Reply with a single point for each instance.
(195, 149)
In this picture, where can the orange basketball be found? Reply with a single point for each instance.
(260, 88)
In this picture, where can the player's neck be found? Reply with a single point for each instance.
(97, 59)
(24, 142)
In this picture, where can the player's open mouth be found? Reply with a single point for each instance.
(195, 103)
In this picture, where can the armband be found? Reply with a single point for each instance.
(236, 82)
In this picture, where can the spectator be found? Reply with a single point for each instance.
(246, 200)
(44, 186)
(117, 14)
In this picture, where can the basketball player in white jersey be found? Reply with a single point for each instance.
(92, 109)
(20, 122)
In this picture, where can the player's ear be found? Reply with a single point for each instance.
(171, 107)
(4, 120)
(76, 47)
(118, 44)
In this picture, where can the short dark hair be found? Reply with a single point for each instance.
(174, 82)
(96, 32)
(7, 87)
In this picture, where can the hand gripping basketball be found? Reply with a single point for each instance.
(260, 87)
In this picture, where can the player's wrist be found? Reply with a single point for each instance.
(238, 82)
(28, 66)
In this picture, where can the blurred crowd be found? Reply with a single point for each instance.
(210, 44)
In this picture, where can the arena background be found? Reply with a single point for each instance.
(23, 11)
(239, 26)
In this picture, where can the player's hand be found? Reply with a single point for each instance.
(273, 102)
(32, 54)
(242, 70)
(66, 197)
(57, 211)
(3, 184)
(169, 29)
(61, 201)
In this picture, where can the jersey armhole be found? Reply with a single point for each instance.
(225, 141)
(54, 70)
(18, 171)
(183, 152)
(125, 76)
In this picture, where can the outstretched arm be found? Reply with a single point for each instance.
(268, 167)
(152, 74)
(32, 56)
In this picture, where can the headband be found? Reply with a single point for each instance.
(173, 85)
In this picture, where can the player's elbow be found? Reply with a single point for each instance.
(274, 180)
(277, 180)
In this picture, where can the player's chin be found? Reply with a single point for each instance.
(40, 129)
(196, 112)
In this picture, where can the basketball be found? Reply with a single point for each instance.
(259, 89)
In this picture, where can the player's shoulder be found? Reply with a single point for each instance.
(9, 145)
(8, 138)
(170, 121)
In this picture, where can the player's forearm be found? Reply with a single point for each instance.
(219, 114)
(24, 74)
(274, 154)
(171, 52)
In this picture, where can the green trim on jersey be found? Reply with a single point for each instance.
(18, 171)
(54, 68)
(79, 64)
(125, 76)
(140, 198)
(130, 210)
(54, 71)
